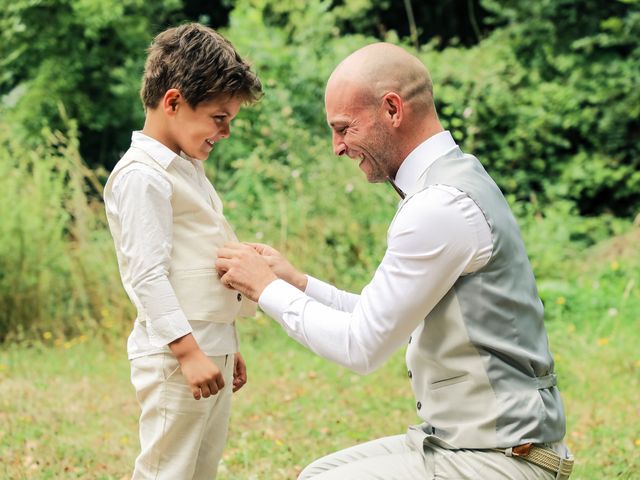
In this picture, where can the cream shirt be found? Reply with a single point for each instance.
(142, 202)
(438, 235)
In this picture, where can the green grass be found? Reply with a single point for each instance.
(70, 412)
(67, 409)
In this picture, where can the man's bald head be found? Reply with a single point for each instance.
(379, 68)
(379, 105)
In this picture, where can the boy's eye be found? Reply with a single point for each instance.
(219, 118)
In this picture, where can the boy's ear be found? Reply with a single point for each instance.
(171, 101)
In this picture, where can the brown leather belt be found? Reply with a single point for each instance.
(542, 457)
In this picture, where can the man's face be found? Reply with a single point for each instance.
(195, 130)
(360, 132)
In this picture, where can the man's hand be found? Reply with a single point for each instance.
(242, 268)
(281, 266)
(239, 372)
(202, 375)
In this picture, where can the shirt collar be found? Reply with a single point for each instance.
(160, 153)
(421, 158)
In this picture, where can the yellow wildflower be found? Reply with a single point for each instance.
(603, 341)
(47, 335)
(561, 301)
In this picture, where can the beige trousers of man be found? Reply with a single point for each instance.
(401, 457)
(180, 438)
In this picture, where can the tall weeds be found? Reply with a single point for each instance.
(57, 268)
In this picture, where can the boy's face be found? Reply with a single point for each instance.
(194, 131)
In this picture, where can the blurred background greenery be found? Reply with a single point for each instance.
(545, 93)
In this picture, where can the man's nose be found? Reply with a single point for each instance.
(339, 148)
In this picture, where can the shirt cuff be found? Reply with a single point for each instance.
(277, 297)
(319, 290)
(164, 330)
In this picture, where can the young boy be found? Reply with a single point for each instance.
(167, 224)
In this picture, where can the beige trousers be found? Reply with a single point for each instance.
(401, 458)
(180, 438)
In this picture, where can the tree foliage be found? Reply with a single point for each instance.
(86, 54)
(548, 99)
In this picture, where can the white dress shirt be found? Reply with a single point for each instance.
(142, 202)
(438, 234)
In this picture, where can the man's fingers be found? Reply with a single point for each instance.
(258, 247)
(226, 281)
(222, 265)
(225, 252)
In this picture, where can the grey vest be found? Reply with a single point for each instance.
(479, 363)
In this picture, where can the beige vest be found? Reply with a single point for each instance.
(199, 229)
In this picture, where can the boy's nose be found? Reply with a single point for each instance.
(224, 132)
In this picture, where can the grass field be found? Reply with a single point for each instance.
(71, 413)
(67, 409)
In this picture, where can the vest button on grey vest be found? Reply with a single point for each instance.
(410, 374)
(418, 405)
(239, 297)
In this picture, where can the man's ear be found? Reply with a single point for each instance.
(393, 108)
(171, 101)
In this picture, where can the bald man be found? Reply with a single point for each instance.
(455, 284)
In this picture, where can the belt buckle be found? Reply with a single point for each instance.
(522, 450)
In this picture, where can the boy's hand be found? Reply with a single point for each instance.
(281, 266)
(203, 376)
(239, 372)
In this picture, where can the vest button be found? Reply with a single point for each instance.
(410, 374)
(239, 297)
(418, 405)
(409, 339)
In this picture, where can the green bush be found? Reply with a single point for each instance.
(57, 270)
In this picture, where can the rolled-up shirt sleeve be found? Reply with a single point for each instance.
(430, 243)
(143, 202)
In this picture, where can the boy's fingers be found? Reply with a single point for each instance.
(213, 387)
(196, 392)
(206, 391)
(220, 381)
